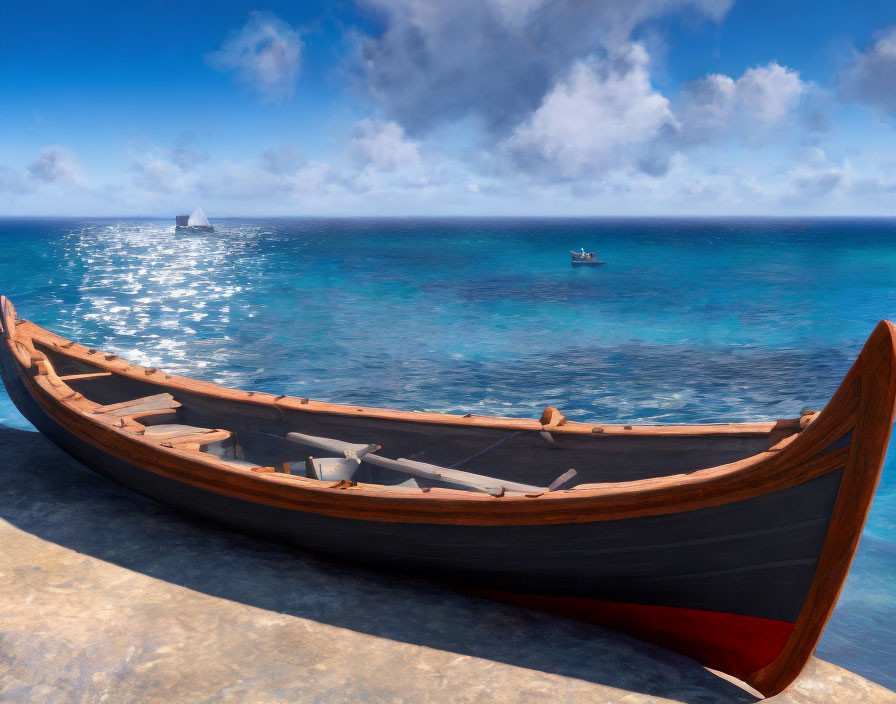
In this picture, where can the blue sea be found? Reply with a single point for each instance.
(687, 321)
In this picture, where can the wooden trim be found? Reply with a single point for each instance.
(597, 502)
(159, 402)
(9, 318)
(203, 388)
(82, 377)
(762, 473)
(205, 437)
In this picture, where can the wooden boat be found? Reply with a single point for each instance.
(584, 257)
(728, 543)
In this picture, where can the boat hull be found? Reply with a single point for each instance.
(731, 578)
(743, 584)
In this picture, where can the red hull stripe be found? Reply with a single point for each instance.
(738, 645)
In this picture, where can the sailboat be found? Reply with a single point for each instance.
(196, 221)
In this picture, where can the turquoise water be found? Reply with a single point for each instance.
(688, 321)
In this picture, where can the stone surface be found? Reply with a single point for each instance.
(106, 597)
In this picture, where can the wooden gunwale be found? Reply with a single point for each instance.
(759, 474)
(594, 502)
(203, 388)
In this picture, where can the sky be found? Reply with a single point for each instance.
(468, 107)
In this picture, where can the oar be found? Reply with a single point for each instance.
(478, 482)
(351, 451)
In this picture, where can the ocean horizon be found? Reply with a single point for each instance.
(690, 320)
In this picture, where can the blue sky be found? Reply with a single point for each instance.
(378, 107)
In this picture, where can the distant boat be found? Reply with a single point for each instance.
(196, 221)
(584, 257)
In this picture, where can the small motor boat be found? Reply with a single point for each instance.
(584, 257)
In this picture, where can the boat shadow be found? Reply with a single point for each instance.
(46, 493)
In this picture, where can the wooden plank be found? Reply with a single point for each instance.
(150, 403)
(81, 377)
(172, 412)
(203, 438)
(141, 408)
(125, 404)
(171, 430)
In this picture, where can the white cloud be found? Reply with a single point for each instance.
(383, 146)
(56, 164)
(769, 92)
(316, 177)
(383, 158)
(813, 177)
(876, 186)
(558, 92)
(157, 174)
(188, 157)
(54, 167)
(493, 60)
(377, 158)
(605, 115)
(12, 181)
(515, 12)
(820, 184)
(718, 105)
(283, 159)
(871, 76)
(231, 181)
(266, 55)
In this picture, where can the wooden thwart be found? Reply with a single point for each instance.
(158, 402)
(197, 441)
(169, 431)
(198, 438)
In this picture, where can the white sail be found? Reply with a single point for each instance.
(198, 219)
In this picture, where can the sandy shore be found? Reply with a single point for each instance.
(105, 597)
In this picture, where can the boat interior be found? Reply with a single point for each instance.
(521, 456)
